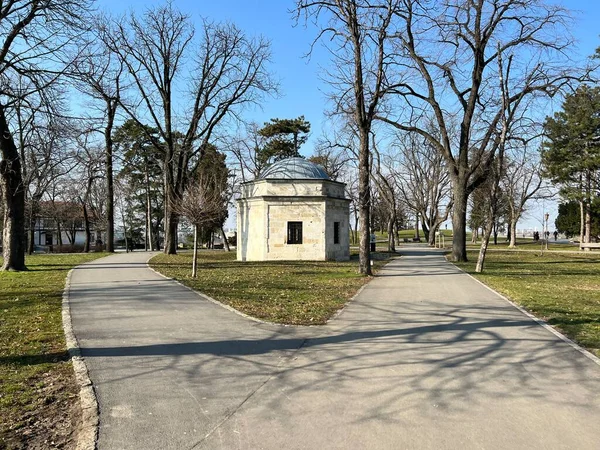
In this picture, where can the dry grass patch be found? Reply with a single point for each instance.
(288, 292)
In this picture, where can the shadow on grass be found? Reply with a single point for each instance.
(33, 360)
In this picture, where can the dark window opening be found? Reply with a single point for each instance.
(294, 233)
(336, 232)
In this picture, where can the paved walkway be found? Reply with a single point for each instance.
(424, 358)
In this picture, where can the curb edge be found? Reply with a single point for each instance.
(539, 321)
(87, 434)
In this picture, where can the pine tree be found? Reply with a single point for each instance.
(571, 154)
(285, 137)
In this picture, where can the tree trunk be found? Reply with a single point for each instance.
(86, 221)
(485, 240)
(13, 197)
(495, 233)
(124, 227)
(59, 232)
(431, 237)
(149, 233)
(513, 232)
(587, 231)
(587, 212)
(417, 236)
(225, 243)
(195, 257)
(171, 220)
(459, 223)
(72, 234)
(391, 237)
(108, 165)
(146, 232)
(364, 204)
(425, 228)
(581, 223)
(30, 241)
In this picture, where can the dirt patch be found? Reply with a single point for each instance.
(52, 418)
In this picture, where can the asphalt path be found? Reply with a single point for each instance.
(423, 358)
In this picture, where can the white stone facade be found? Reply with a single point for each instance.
(268, 206)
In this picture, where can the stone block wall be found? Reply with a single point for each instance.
(312, 216)
(251, 219)
(266, 207)
(337, 211)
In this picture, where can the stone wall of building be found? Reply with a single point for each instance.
(312, 216)
(266, 207)
(337, 211)
(251, 219)
(309, 188)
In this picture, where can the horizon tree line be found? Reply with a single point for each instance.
(448, 91)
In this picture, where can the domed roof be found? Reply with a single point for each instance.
(294, 169)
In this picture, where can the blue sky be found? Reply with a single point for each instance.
(301, 87)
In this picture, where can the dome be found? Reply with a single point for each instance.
(294, 169)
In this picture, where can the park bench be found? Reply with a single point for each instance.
(589, 245)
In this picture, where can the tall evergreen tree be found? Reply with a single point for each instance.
(143, 169)
(285, 137)
(571, 154)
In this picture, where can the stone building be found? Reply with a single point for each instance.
(293, 211)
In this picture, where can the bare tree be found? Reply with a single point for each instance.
(423, 182)
(387, 189)
(35, 37)
(331, 157)
(229, 71)
(507, 120)
(359, 32)
(202, 204)
(90, 160)
(98, 73)
(43, 138)
(451, 66)
(522, 182)
(245, 149)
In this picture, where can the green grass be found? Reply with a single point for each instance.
(524, 244)
(289, 292)
(563, 289)
(33, 354)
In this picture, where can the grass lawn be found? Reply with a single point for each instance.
(37, 390)
(563, 289)
(289, 292)
(524, 244)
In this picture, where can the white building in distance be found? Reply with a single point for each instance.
(293, 211)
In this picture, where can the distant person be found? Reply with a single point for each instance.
(555, 235)
(536, 236)
(547, 235)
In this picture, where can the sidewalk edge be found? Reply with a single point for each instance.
(539, 321)
(87, 434)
